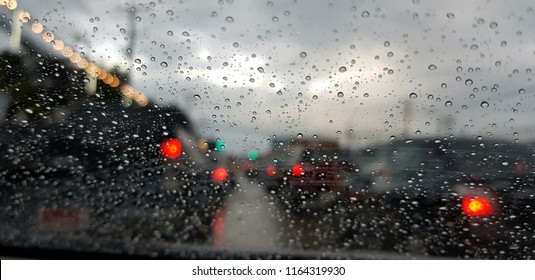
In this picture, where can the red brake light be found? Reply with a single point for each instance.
(521, 166)
(171, 148)
(219, 228)
(271, 171)
(220, 174)
(298, 170)
(476, 206)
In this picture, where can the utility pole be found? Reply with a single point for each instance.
(407, 117)
(131, 13)
(16, 30)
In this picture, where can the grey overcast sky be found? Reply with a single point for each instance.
(246, 70)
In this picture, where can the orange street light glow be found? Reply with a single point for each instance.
(75, 58)
(24, 16)
(48, 37)
(37, 28)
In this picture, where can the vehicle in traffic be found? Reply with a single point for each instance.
(113, 173)
(444, 197)
(314, 176)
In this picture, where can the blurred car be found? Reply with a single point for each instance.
(315, 177)
(112, 173)
(444, 197)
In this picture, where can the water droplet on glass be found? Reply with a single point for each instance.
(493, 25)
(484, 104)
(170, 33)
(365, 14)
(448, 103)
(163, 64)
(468, 82)
(196, 96)
(314, 97)
(169, 13)
(340, 94)
(185, 34)
(432, 67)
(229, 19)
(303, 54)
(503, 44)
(413, 95)
(260, 69)
(235, 44)
(299, 135)
(450, 15)
(386, 44)
(342, 69)
(498, 63)
(443, 85)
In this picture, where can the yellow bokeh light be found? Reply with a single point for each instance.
(83, 63)
(37, 27)
(142, 100)
(67, 52)
(127, 91)
(48, 37)
(202, 145)
(91, 69)
(24, 16)
(102, 74)
(75, 58)
(58, 45)
(11, 4)
(115, 83)
(108, 80)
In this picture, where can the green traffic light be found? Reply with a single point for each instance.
(220, 145)
(252, 154)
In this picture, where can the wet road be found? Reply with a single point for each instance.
(252, 219)
(256, 221)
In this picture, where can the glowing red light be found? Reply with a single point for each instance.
(220, 174)
(298, 170)
(271, 171)
(171, 148)
(219, 228)
(476, 206)
(521, 166)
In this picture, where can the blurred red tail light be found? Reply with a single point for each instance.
(271, 171)
(220, 174)
(298, 170)
(521, 166)
(477, 206)
(218, 229)
(171, 148)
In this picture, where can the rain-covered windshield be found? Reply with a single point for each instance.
(352, 129)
